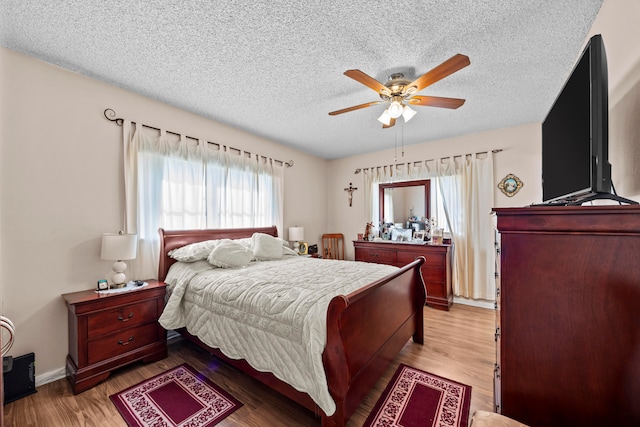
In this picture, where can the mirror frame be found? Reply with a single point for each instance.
(427, 194)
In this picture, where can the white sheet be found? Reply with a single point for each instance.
(271, 313)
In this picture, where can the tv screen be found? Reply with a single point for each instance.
(575, 131)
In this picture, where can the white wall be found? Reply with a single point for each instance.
(618, 24)
(61, 188)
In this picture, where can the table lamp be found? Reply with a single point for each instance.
(119, 247)
(296, 234)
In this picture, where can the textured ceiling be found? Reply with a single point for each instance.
(274, 68)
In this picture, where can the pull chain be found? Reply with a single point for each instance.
(395, 145)
(402, 139)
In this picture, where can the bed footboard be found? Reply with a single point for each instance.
(365, 331)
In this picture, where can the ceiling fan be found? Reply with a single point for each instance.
(397, 90)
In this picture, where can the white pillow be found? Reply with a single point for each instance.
(246, 241)
(286, 250)
(266, 247)
(230, 254)
(195, 251)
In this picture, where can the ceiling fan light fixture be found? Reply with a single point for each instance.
(397, 90)
(395, 109)
(385, 118)
(408, 113)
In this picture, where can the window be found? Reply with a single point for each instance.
(186, 185)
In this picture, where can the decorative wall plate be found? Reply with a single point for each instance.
(510, 185)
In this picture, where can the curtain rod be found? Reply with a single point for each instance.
(110, 115)
(497, 150)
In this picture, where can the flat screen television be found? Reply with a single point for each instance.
(575, 133)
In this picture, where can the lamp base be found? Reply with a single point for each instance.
(118, 285)
(118, 279)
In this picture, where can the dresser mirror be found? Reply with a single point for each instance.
(405, 204)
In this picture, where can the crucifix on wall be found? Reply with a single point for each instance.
(350, 189)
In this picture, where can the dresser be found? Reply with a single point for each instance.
(568, 307)
(436, 271)
(108, 331)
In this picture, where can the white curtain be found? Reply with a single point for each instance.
(188, 184)
(465, 187)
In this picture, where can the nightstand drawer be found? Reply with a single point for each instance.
(116, 319)
(121, 342)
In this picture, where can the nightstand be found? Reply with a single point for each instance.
(108, 331)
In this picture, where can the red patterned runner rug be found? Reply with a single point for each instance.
(178, 397)
(416, 398)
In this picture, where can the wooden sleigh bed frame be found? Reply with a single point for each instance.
(365, 329)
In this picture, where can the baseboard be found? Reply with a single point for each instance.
(475, 302)
(57, 374)
(49, 377)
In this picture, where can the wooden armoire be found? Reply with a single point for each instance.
(568, 315)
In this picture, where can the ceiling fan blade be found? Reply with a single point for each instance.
(392, 123)
(355, 107)
(436, 101)
(450, 66)
(368, 81)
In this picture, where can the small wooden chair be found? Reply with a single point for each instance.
(333, 246)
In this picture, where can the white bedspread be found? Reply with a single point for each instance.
(271, 313)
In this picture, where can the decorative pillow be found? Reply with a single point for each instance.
(286, 250)
(230, 254)
(195, 251)
(266, 247)
(246, 241)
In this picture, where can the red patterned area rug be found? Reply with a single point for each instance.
(416, 398)
(178, 397)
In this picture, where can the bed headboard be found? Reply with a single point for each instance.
(174, 239)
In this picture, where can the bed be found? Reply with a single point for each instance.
(365, 328)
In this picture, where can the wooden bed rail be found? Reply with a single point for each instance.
(358, 352)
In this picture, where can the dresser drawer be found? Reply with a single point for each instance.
(431, 259)
(433, 275)
(380, 256)
(436, 271)
(117, 318)
(122, 342)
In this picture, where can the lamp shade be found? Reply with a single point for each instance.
(296, 234)
(385, 118)
(395, 110)
(118, 247)
(408, 113)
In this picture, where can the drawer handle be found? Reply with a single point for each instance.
(122, 319)
(125, 343)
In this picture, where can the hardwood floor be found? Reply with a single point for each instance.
(459, 345)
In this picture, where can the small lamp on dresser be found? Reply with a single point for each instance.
(119, 247)
(296, 235)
